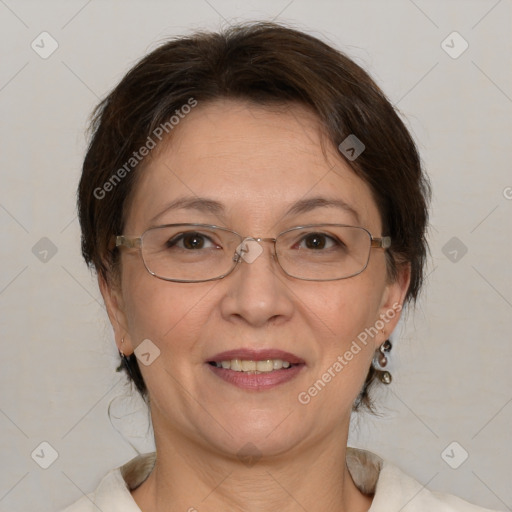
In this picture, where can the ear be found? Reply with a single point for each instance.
(113, 298)
(392, 303)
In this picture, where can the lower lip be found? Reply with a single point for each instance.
(257, 381)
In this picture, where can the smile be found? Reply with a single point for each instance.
(255, 370)
(254, 367)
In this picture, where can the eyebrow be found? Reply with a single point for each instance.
(206, 205)
(200, 204)
(307, 205)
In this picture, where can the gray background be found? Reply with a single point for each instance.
(451, 367)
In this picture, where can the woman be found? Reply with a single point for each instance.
(255, 211)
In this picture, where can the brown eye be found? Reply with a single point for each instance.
(190, 241)
(315, 241)
(193, 241)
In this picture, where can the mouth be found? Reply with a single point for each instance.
(252, 367)
(256, 369)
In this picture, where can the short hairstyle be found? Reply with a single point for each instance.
(266, 64)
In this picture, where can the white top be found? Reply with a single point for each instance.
(393, 490)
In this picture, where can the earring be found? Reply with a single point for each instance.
(380, 361)
(127, 362)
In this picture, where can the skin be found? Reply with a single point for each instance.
(256, 161)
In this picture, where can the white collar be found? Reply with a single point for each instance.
(393, 490)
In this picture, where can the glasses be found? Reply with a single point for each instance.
(191, 253)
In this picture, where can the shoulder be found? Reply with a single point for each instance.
(111, 495)
(395, 490)
(451, 503)
(82, 505)
(113, 492)
(409, 495)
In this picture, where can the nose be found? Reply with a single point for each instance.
(256, 291)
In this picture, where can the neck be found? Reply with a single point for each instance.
(186, 478)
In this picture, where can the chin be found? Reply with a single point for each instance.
(259, 435)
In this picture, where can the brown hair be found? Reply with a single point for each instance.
(265, 63)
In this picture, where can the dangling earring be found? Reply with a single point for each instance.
(121, 353)
(380, 361)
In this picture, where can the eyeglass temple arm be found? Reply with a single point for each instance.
(384, 242)
(125, 241)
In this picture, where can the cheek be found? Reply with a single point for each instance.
(344, 314)
(345, 308)
(342, 317)
(166, 313)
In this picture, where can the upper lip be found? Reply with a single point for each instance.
(256, 355)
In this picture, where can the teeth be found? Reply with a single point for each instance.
(248, 366)
(265, 366)
(235, 364)
(243, 365)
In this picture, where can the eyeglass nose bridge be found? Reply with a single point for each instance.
(250, 249)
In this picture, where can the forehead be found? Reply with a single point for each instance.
(255, 160)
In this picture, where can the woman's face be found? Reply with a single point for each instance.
(256, 163)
